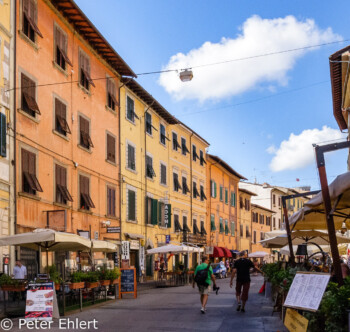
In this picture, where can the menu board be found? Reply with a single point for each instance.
(307, 290)
(40, 301)
(128, 281)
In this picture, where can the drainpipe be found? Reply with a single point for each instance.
(191, 173)
(210, 196)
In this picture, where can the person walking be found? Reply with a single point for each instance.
(203, 276)
(242, 267)
(19, 271)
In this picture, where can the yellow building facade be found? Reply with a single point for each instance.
(245, 219)
(261, 223)
(145, 175)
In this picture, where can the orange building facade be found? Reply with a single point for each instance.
(222, 193)
(261, 223)
(67, 146)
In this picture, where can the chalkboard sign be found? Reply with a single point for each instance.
(128, 281)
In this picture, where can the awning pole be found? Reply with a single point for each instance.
(320, 150)
(289, 236)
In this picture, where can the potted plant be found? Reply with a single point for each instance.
(77, 280)
(55, 276)
(12, 285)
(103, 274)
(91, 279)
(113, 275)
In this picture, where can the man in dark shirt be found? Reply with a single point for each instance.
(242, 267)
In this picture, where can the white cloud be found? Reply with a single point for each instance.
(297, 151)
(258, 36)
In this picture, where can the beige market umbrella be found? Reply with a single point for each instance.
(301, 236)
(312, 215)
(172, 248)
(311, 249)
(258, 254)
(103, 246)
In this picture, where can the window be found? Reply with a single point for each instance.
(29, 104)
(162, 134)
(203, 197)
(130, 110)
(221, 193)
(195, 190)
(183, 146)
(195, 227)
(60, 45)
(84, 71)
(247, 232)
(149, 167)
(30, 183)
(274, 222)
(131, 157)
(62, 193)
(274, 199)
(152, 211)
(241, 202)
(262, 236)
(279, 223)
(110, 148)
(212, 223)
(61, 125)
(110, 201)
(233, 199)
(131, 205)
(201, 158)
(194, 153)
(161, 215)
(176, 144)
(254, 237)
(241, 230)
(85, 139)
(3, 133)
(226, 196)
(226, 228)
(177, 185)
(279, 201)
(111, 94)
(185, 188)
(184, 224)
(177, 225)
(163, 177)
(268, 221)
(222, 229)
(203, 231)
(213, 188)
(232, 228)
(148, 118)
(261, 219)
(30, 14)
(86, 202)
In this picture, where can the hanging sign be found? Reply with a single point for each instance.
(167, 239)
(295, 322)
(41, 302)
(134, 244)
(125, 250)
(142, 259)
(113, 229)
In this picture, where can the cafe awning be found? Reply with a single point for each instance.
(258, 254)
(134, 236)
(174, 249)
(227, 252)
(47, 239)
(103, 246)
(218, 252)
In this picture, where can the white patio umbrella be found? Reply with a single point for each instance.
(258, 254)
(301, 236)
(172, 248)
(310, 249)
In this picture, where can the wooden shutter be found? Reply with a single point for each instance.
(110, 148)
(3, 128)
(154, 212)
(215, 190)
(131, 205)
(110, 201)
(169, 215)
(163, 174)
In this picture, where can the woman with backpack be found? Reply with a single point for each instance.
(203, 276)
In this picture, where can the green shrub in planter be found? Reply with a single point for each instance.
(77, 276)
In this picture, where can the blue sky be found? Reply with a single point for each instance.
(245, 109)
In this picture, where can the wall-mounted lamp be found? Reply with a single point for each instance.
(343, 228)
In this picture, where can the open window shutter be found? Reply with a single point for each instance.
(169, 215)
(154, 212)
(215, 190)
(3, 127)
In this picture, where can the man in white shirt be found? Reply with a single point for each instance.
(19, 271)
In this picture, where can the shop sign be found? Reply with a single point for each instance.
(113, 229)
(167, 239)
(209, 250)
(116, 259)
(134, 244)
(96, 235)
(142, 259)
(295, 322)
(125, 250)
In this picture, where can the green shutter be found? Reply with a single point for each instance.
(3, 134)
(160, 213)
(226, 196)
(212, 223)
(232, 228)
(154, 212)
(169, 214)
(221, 193)
(215, 190)
(211, 188)
(234, 199)
(226, 227)
(221, 226)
